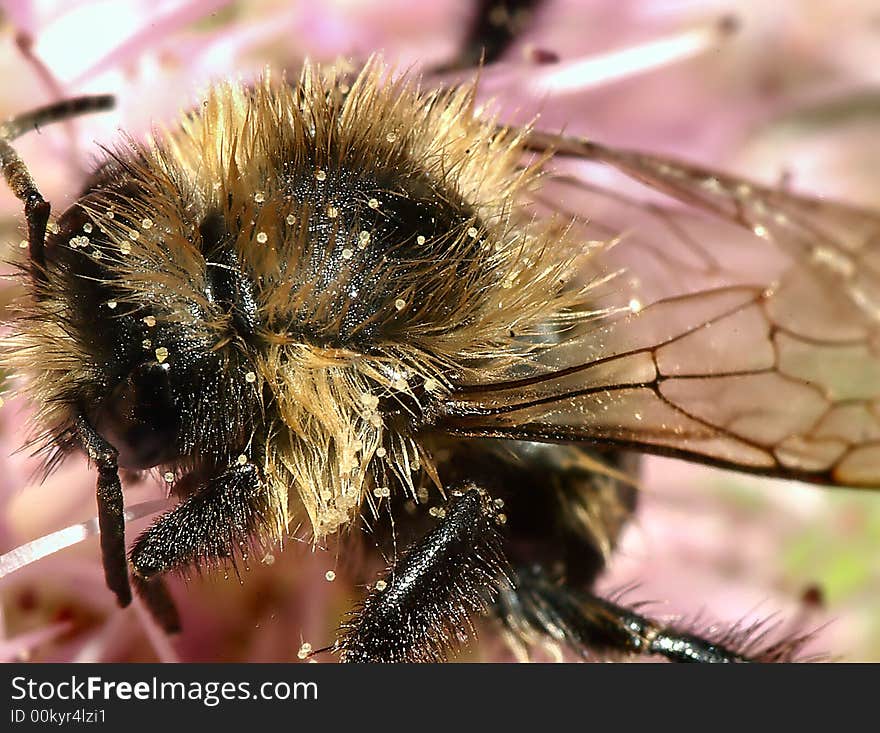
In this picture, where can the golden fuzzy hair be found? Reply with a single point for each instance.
(299, 178)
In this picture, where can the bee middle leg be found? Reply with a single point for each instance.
(564, 518)
(565, 508)
(423, 605)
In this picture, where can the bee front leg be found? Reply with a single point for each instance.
(217, 522)
(111, 513)
(424, 603)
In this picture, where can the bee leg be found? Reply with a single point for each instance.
(586, 623)
(111, 517)
(424, 603)
(214, 523)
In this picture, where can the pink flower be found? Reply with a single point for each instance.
(768, 92)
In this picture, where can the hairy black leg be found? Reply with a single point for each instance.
(111, 517)
(424, 603)
(217, 521)
(537, 605)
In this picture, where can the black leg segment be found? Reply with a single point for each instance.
(111, 516)
(216, 523)
(424, 604)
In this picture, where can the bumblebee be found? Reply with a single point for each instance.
(346, 300)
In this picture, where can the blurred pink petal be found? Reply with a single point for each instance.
(21, 647)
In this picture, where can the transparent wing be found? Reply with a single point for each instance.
(753, 338)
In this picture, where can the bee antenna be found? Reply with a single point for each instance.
(14, 170)
(19, 178)
(57, 112)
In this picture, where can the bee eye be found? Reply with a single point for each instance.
(139, 419)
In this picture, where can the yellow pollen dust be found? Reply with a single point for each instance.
(381, 585)
(250, 377)
(332, 212)
(363, 239)
(134, 235)
(290, 219)
(150, 321)
(111, 304)
(125, 248)
(262, 237)
(400, 304)
(381, 452)
(347, 254)
(391, 137)
(330, 576)
(161, 354)
(259, 197)
(169, 477)
(87, 228)
(242, 459)
(373, 203)
(321, 175)
(420, 239)
(146, 223)
(304, 650)
(472, 233)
